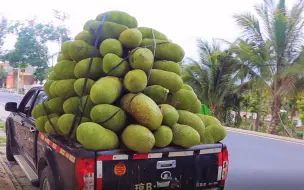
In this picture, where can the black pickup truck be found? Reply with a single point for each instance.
(51, 164)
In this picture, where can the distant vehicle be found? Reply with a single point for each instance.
(52, 165)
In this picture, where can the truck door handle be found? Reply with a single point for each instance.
(32, 129)
(166, 164)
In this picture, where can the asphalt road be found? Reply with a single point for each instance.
(258, 163)
(9, 97)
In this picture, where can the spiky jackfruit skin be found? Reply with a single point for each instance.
(119, 17)
(55, 105)
(52, 76)
(185, 136)
(168, 66)
(111, 46)
(71, 105)
(79, 50)
(138, 138)
(183, 99)
(65, 49)
(95, 137)
(209, 120)
(40, 110)
(125, 102)
(130, 38)
(166, 51)
(135, 81)
(192, 120)
(61, 57)
(87, 24)
(86, 106)
(65, 69)
(170, 114)
(109, 29)
(52, 89)
(85, 36)
(142, 59)
(46, 88)
(187, 87)
(65, 88)
(109, 116)
(163, 136)
(207, 137)
(157, 93)
(147, 33)
(96, 71)
(106, 90)
(53, 122)
(196, 107)
(218, 132)
(110, 66)
(166, 79)
(41, 121)
(78, 86)
(146, 112)
(65, 123)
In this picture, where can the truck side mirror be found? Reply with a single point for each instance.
(11, 107)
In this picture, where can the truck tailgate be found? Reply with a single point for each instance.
(168, 168)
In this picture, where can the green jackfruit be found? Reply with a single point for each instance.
(65, 88)
(86, 25)
(125, 102)
(166, 79)
(185, 136)
(65, 123)
(85, 36)
(165, 51)
(130, 38)
(71, 105)
(192, 120)
(209, 120)
(47, 86)
(61, 57)
(95, 137)
(119, 17)
(110, 65)
(52, 76)
(55, 105)
(170, 114)
(207, 137)
(146, 112)
(163, 136)
(79, 83)
(141, 58)
(109, 116)
(49, 127)
(183, 99)
(157, 93)
(106, 90)
(135, 80)
(65, 69)
(41, 121)
(218, 132)
(147, 33)
(65, 49)
(138, 138)
(81, 68)
(196, 107)
(79, 50)
(39, 110)
(168, 66)
(109, 29)
(52, 90)
(111, 46)
(86, 105)
(187, 87)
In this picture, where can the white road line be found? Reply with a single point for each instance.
(266, 137)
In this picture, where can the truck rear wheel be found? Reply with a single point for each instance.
(9, 154)
(46, 179)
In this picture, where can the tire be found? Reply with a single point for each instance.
(47, 181)
(9, 154)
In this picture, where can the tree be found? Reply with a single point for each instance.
(3, 75)
(211, 77)
(3, 31)
(276, 48)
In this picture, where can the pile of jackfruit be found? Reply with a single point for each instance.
(126, 93)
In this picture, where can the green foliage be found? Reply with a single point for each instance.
(3, 31)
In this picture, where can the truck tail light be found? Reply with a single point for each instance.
(223, 163)
(84, 171)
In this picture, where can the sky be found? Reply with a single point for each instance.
(183, 21)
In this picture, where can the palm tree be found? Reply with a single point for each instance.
(211, 77)
(275, 54)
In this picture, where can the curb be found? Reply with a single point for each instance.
(264, 135)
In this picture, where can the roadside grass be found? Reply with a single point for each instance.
(2, 141)
(2, 126)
